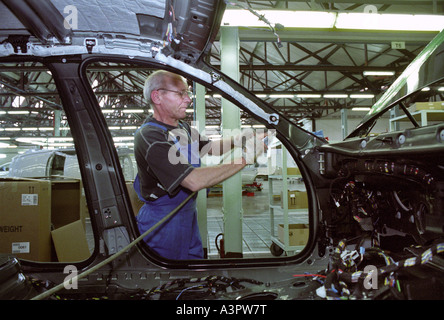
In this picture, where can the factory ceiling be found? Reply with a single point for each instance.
(273, 60)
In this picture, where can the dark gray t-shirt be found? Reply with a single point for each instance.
(161, 167)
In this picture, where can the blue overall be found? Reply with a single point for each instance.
(179, 237)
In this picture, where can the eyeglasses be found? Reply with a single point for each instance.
(182, 94)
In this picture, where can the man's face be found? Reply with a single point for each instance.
(174, 99)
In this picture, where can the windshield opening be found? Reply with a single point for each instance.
(423, 108)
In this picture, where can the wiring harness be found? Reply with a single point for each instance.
(346, 278)
(203, 288)
(197, 288)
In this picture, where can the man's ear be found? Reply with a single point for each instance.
(155, 96)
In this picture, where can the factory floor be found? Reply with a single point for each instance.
(256, 221)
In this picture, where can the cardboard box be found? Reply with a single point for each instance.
(25, 218)
(38, 206)
(437, 105)
(70, 242)
(66, 202)
(293, 171)
(296, 199)
(298, 234)
(136, 203)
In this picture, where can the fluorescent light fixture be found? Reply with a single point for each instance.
(441, 89)
(46, 129)
(214, 95)
(129, 128)
(261, 95)
(379, 73)
(425, 89)
(288, 18)
(133, 111)
(31, 140)
(121, 139)
(308, 95)
(335, 95)
(342, 20)
(114, 128)
(29, 129)
(13, 129)
(108, 110)
(361, 109)
(283, 96)
(362, 96)
(258, 126)
(5, 138)
(2, 112)
(4, 145)
(124, 144)
(60, 144)
(189, 110)
(62, 139)
(401, 22)
(18, 112)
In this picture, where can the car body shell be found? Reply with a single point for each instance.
(41, 37)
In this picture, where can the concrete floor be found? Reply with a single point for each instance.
(256, 226)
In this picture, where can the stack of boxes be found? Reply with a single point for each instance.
(43, 219)
(437, 105)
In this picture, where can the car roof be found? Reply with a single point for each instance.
(181, 28)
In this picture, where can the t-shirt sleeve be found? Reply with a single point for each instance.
(168, 164)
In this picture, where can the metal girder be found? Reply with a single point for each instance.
(335, 36)
(318, 67)
(265, 68)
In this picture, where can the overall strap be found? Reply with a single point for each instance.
(158, 125)
(155, 124)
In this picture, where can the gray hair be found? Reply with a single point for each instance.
(159, 79)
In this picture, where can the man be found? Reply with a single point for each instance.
(168, 154)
